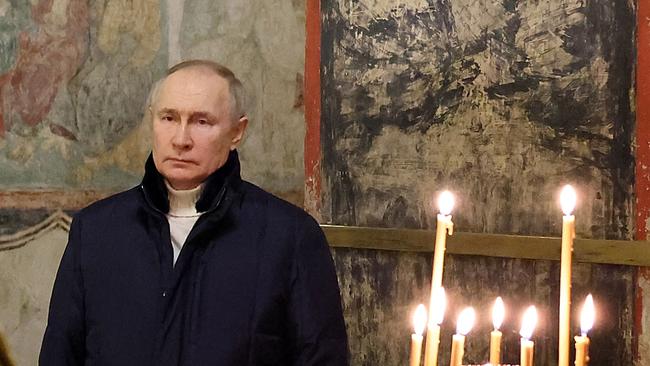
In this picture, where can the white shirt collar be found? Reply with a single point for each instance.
(182, 203)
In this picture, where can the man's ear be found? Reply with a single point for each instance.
(239, 129)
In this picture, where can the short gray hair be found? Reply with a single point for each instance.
(235, 87)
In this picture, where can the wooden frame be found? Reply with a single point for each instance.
(631, 253)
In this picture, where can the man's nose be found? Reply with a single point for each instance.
(182, 139)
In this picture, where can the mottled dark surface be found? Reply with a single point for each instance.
(12, 220)
(381, 289)
(503, 102)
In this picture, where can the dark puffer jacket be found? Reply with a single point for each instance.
(254, 283)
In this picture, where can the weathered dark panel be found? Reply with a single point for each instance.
(13, 220)
(381, 289)
(502, 102)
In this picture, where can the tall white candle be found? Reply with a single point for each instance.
(436, 316)
(568, 202)
(444, 225)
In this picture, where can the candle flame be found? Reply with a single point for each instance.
(568, 199)
(465, 321)
(420, 319)
(445, 202)
(529, 322)
(587, 315)
(439, 303)
(498, 313)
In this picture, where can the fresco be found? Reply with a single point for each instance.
(263, 42)
(74, 75)
(502, 102)
(499, 101)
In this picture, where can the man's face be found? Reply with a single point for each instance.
(193, 129)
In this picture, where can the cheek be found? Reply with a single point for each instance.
(214, 147)
(160, 135)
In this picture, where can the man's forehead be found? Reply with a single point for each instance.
(192, 86)
(199, 72)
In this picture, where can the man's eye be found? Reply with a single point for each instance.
(167, 118)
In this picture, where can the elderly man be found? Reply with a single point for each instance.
(195, 266)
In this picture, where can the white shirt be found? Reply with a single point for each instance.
(182, 215)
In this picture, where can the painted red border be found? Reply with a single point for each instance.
(313, 108)
(643, 119)
(642, 155)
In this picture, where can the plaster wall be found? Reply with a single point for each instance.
(263, 42)
(26, 278)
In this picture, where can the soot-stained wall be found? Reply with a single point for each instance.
(501, 102)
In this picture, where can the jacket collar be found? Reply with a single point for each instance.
(215, 186)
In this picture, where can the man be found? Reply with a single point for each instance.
(195, 266)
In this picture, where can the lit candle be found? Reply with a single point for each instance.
(568, 203)
(436, 316)
(527, 327)
(498, 313)
(444, 225)
(586, 322)
(465, 323)
(419, 321)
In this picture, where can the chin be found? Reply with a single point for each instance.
(183, 184)
(178, 179)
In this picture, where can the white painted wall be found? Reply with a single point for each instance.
(26, 278)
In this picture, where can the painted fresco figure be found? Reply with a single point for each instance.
(195, 266)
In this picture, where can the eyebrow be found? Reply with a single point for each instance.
(202, 114)
(198, 114)
(166, 111)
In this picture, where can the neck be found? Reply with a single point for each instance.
(182, 202)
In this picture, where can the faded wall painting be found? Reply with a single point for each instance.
(74, 75)
(502, 102)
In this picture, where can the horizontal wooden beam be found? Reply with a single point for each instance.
(625, 252)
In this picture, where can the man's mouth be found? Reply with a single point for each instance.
(178, 160)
